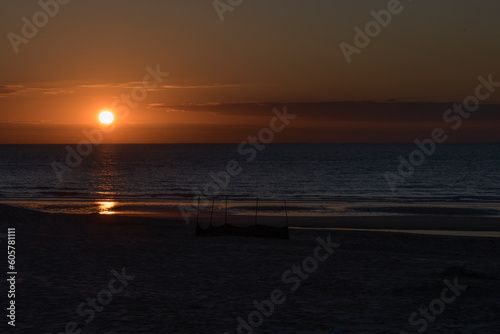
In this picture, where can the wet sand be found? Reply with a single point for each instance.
(372, 282)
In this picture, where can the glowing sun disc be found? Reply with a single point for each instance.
(106, 117)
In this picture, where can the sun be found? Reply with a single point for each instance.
(106, 117)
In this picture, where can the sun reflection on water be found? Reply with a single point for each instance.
(105, 208)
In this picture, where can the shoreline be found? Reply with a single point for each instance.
(419, 224)
(308, 208)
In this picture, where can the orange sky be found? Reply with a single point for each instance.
(226, 77)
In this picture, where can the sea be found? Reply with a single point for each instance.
(309, 179)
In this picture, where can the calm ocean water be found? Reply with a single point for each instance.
(317, 177)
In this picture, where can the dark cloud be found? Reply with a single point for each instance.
(345, 111)
(6, 90)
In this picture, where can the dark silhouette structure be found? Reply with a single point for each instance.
(256, 230)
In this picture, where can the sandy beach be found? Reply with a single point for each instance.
(155, 276)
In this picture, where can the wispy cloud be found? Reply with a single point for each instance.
(48, 89)
(23, 89)
(131, 84)
(134, 84)
(193, 86)
(58, 91)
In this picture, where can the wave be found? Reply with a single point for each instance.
(426, 210)
(82, 193)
